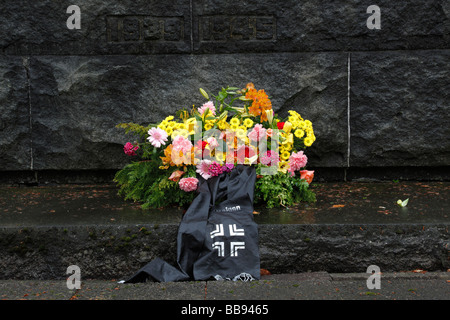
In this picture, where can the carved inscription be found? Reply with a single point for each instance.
(144, 28)
(237, 28)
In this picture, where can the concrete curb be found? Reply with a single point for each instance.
(115, 251)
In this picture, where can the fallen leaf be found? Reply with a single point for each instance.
(265, 272)
(419, 271)
(338, 205)
(402, 203)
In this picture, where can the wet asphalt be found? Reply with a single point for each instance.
(415, 285)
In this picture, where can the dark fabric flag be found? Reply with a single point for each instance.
(217, 237)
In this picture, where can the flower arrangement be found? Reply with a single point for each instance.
(208, 141)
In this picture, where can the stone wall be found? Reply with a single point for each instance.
(379, 99)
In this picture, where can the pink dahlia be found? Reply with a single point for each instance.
(203, 168)
(212, 142)
(208, 105)
(270, 157)
(297, 161)
(157, 137)
(181, 143)
(188, 184)
(129, 149)
(258, 133)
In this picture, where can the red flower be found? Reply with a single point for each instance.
(129, 149)
(307, 175)
(201, 145)
(280, 125)
(244, 152)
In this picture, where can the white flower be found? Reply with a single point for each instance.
(203, 169)
(157, 137)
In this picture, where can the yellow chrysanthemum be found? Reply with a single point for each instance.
(299, 133)
(180, 132)
(172, 124)
(295, 114)
(235, 122)
(295, 124)
(241, 133)
(163, 124)
(302, 125)
(222, 124)
(285, 155)
(234, 127)
(292, 119)
(248, 122)
(308, 141)
(169, 131)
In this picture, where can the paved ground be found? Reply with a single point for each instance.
(337, 204)
(303, 286)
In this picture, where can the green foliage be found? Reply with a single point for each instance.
(135, 179)
(165, 192)
(137, 129)
(282, 190)
(143, 182)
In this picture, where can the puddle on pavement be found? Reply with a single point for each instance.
(337, 203)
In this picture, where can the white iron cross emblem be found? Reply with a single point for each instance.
(234, 245)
